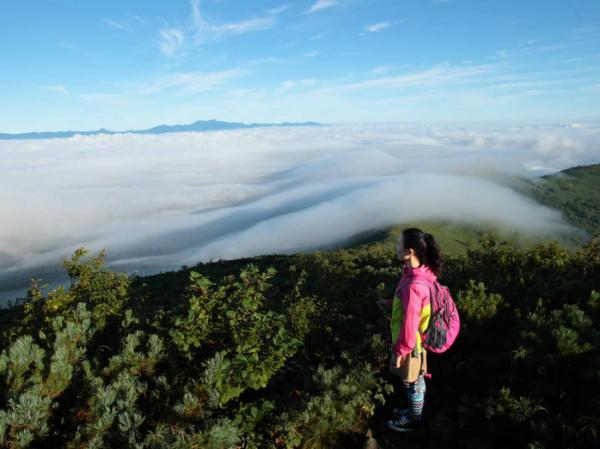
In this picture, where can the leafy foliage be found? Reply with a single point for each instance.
(291, 352)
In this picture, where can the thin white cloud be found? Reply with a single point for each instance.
(290, 84)
(422, 79)
(205, 29)
(278, 9)
(186, 83)
(374, 28)
(379, 70)
(320, 5)
(140, 19)
(244, 26)
(156, 202)
(57, 88)
(114, 23)
(171, 40)
(177, 84)
(312, 54)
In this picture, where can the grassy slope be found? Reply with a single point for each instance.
(575, 192)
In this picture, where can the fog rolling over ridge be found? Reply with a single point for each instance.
(156, 202)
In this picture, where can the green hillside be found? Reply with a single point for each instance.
(455, 239)
(575, 192)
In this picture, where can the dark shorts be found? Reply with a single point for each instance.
(411, 368)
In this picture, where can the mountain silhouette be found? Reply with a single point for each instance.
(197, 126)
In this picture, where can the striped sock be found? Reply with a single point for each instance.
(415, 393)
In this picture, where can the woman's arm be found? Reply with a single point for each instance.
(411, 301)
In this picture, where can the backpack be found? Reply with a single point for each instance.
(444, 322)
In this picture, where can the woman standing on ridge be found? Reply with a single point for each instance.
(411, 308)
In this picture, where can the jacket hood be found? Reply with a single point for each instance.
(422, 271)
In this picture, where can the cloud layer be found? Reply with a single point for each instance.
(158, 202)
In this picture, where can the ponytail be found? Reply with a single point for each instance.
(433, 257)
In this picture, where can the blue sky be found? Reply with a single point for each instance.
(134, 64)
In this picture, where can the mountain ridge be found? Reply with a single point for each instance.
(197, 126)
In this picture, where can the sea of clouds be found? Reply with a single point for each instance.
(157, 202)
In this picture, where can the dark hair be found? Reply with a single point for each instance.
(426, 248)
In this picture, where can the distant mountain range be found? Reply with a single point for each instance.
(198, 126)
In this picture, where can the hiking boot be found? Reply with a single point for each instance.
(405, 423)
(398, 412)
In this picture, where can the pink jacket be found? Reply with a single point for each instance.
(408, 325)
